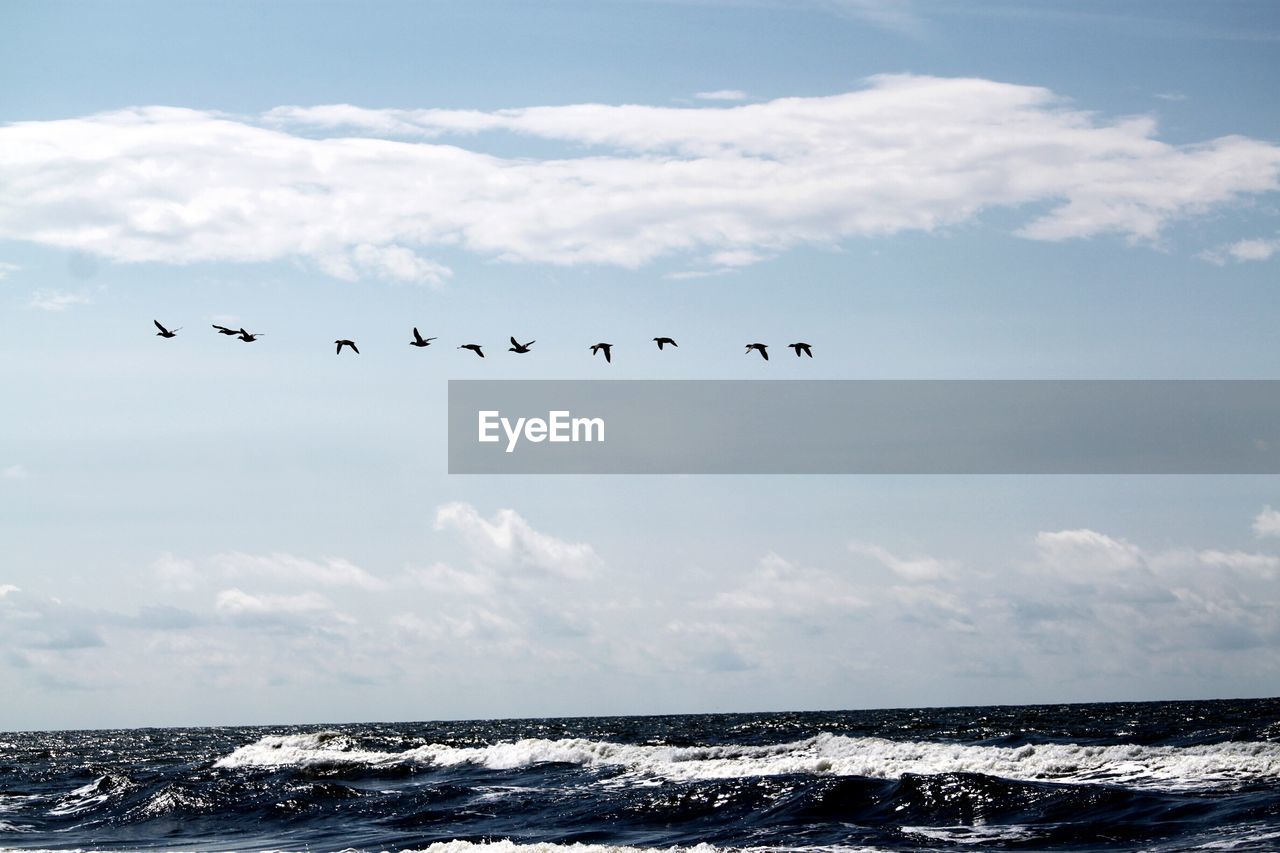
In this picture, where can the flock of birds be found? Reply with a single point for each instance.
(516, 347)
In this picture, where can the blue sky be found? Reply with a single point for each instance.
(201, 531)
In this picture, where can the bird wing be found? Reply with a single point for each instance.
(356, 348)
(216, 326)
(479, 352)
(416, 336)
(338, 349)
(514, 342)
(608, 354)
(158, 326)
(428, 340)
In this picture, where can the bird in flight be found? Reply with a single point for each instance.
(419, 340)
(475, 348)
(802, 348)
(516, 346)
(763, 349)
(249, 338)
(165, 333)
(608, 350)
(662, 341)
(223, 330)
(346, 343)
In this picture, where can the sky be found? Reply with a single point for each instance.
(199, 531)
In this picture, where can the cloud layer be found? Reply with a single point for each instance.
(376, 193)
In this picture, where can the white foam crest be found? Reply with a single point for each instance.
(507, 846)
(826, 754)
(93, 794)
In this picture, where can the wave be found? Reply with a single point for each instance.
(826, 754)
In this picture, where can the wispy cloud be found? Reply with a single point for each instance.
(14, 472)
(48, 299)
(7, 269)
(508, 542)
(1242, 251)
(1267, 523)
(362, 192)
(722, 95)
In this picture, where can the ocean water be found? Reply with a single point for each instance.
(1149, 776)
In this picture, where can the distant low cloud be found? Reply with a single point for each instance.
(1267, 522)
(6, 269)
(722, 95)
(1243, 251)
(380, 193)
(14, 472)
(508, 542)
(48, 299)
(329, 571)
(911, 569)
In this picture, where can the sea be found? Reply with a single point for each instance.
(1158, 776)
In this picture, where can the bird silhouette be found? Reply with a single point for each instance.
(662, 341)
(248, 338)
(802, 348)
(223, 330)
(516, 346)
(475, 348)
(419, 340)
(165, 333)
(763, 349)
(346, 343)
(608, 350)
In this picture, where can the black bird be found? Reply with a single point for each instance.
(475, 348)
(802, 348)
(223, 330)
(516, 346)
(662, 341)
(763, 349)
(165, 333)
(248, 338)
(419, 340)
(608, 350)
(346, 343)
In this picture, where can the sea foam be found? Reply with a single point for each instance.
(1128, 764)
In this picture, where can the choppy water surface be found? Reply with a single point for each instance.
(1151, 776)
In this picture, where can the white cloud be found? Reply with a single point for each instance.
(175, 573)
(1242, 251)
(781, 586)
(715, 184)
(6, 269)
(328, 571)
(912, 569)
(1267, 523)
(1263, 564)
(6, 588)
(14, 472)
(508, 542)
(48, 299)
(722, 95)
(1086, 552)
(237, 603)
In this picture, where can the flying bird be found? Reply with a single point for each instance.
(516, 346)
(475, 348)
(763, 349)
(419, 340)
(165, 333)
(662, 341)
(346, 343)
(248, 338)
(608, 350)
(802, 348)
(223, 330)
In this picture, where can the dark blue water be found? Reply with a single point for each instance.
(1149, 776)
